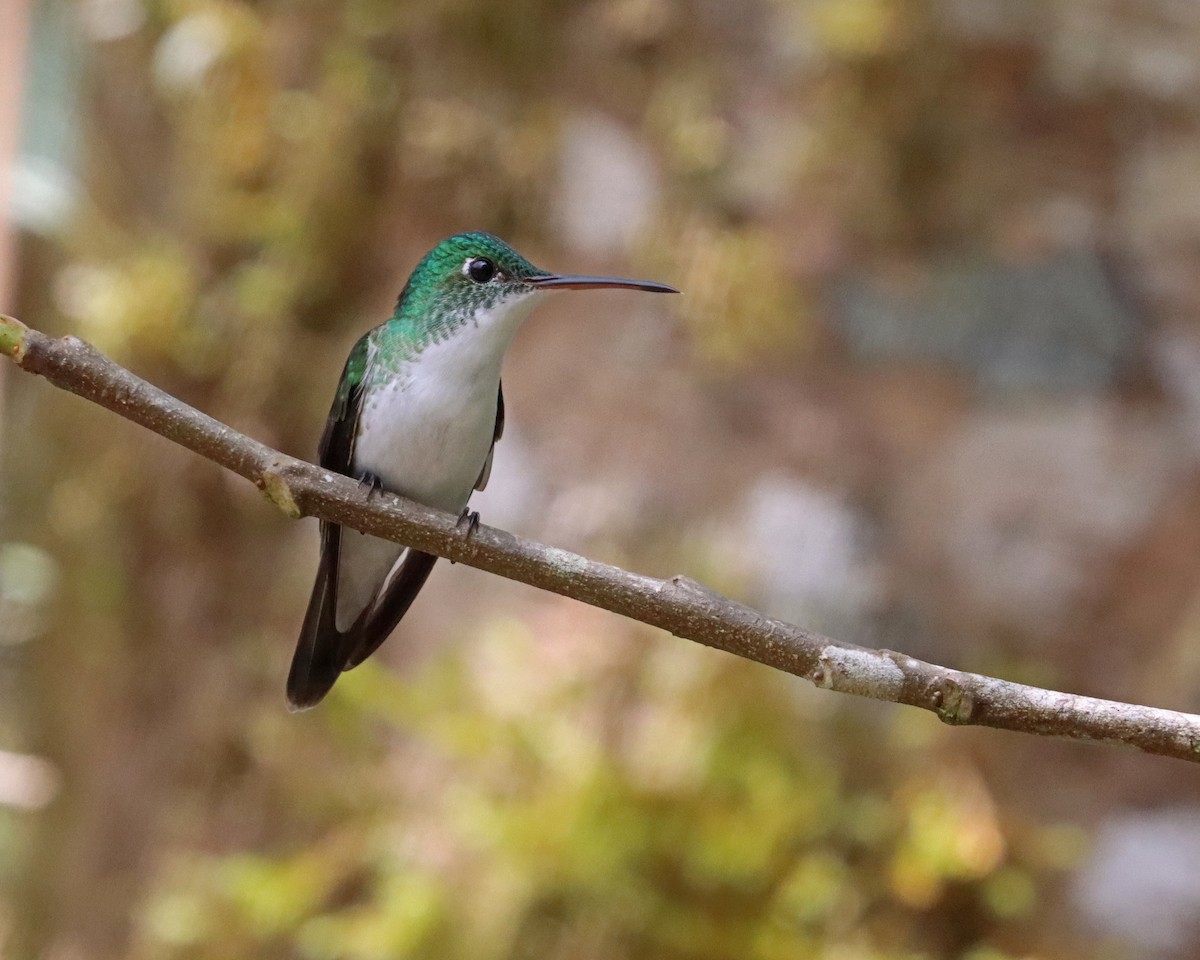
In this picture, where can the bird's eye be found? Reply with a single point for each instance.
(480, 269)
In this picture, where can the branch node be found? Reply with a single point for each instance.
(77, 345)
(857, 670)
(954, 704)
(14, 336)
(686, 584)
(274, 484)
(566, 562)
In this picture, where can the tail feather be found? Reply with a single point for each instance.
(319, 657)
(399, 593)
(324, 652)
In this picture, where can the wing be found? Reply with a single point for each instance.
(321, 650)
(486, 472)
(336, 449)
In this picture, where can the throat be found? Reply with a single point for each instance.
(475, 345)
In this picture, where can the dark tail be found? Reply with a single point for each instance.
(323, 652)
(389, 610)
(320, 651)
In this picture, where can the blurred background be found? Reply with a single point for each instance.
(934, 385)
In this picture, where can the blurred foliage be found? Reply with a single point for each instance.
(735, 271)
(258, 177)
(514, 811)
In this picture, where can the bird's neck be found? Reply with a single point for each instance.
(471, 342)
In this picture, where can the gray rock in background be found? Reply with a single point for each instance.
(1176, 358)
(1018, 507)
(808, 552)
(608, 185)
(1140, 883)
(1052, 325)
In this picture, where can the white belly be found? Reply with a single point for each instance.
(426, 436)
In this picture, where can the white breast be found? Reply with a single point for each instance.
(427, 434)
(426, 437)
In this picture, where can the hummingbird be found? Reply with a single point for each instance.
(417, 412)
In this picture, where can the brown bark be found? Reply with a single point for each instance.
(678, 604)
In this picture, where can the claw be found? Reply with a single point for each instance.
(468, 523)
(372, 482)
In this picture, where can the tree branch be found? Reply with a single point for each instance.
(678, 605)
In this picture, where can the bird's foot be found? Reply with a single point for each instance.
(372, 482)
(468, 523)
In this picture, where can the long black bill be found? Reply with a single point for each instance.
(572, 281)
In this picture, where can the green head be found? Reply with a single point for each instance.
(471, 276)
